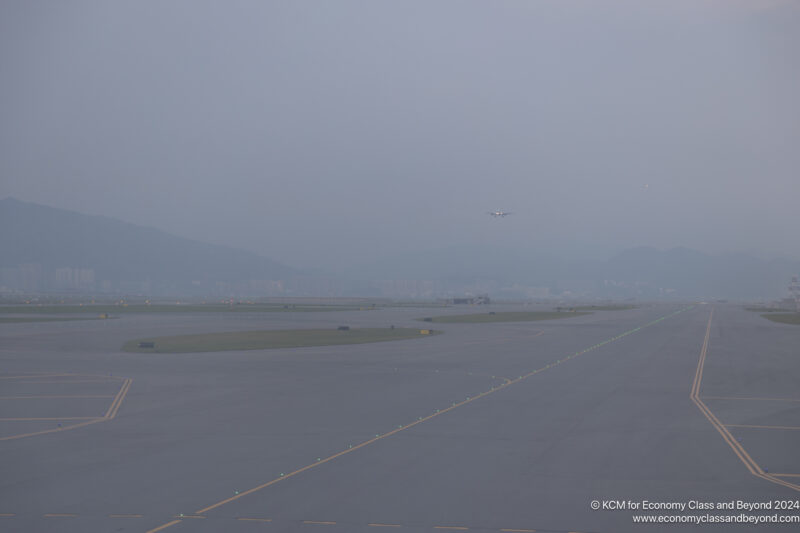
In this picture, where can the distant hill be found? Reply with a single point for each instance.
(48, 249)
(695, 274)
(66, 249)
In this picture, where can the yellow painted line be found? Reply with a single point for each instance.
(191, 516)
(7, 515)
(375, 524)
(54, 430)
(737, 448)
(255, 519)
(52, 397)
(163, 526)
(455, 405)
(67, 382)
(319, 523)
(60, 515)
(786, 475)
(51, 418)
(760, 427)
(110, 414)
(114, 407)
(747, 399)
(125, 515)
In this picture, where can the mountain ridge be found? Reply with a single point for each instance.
(47, 248)
(118, 252)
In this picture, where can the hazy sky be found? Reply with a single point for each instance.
(327, 132)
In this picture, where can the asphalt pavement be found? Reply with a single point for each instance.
(488, 427)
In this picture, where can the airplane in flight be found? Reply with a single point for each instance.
(499, 213)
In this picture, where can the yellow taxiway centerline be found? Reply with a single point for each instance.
(53, 418)
(737, 448)
(110, 414)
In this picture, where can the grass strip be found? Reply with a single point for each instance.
(509, 316)
(784, 318)
(610, 307)
(20, 319)
(172, 308)
(264, 340)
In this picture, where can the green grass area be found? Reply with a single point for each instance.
(171, 308)
(765, 309)
(784, 318)
(262, 340)
(609, 307)
(19, 319)
(510, 316)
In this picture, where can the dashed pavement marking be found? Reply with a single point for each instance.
(420, 420)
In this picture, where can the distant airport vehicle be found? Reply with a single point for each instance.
(499, 213)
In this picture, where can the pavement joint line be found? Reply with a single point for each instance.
(53, 418)
(438, 412)
(751, 399)
(760, 427)
(180, 517)
(26, 376)
(737, 448)
(66, 382)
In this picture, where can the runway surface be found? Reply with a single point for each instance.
(488, 427)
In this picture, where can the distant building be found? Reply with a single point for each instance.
(74, 278)
(31, 277)
(794, 293)
(472, 300)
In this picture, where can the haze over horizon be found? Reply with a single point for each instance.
(327, 134)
